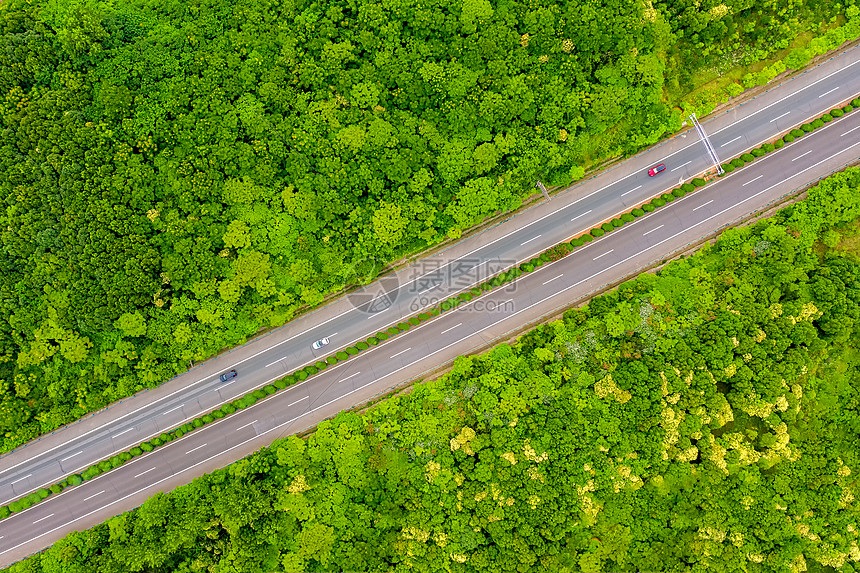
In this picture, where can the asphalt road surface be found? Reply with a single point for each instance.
(438, 341)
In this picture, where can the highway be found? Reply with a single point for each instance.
(424, 348)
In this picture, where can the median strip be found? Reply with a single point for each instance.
(548, 256)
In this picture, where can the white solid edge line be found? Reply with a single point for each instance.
(744, 200)
(751, 180)
(703, 205)
(426, 356)
(612, 266)
(186, 469)
(621, 262)
(174, 443)
(792, 94)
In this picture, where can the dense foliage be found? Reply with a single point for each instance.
(177, 175)
(706, 419)
(716, 32)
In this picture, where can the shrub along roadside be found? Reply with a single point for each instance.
(550, 255)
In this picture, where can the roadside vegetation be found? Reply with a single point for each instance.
(178, 175)
(451, 304)
(703, 418)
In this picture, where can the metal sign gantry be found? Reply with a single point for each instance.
(712, 153)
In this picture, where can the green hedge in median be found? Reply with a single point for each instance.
(550, 255)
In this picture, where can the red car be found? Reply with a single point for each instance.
(655, 170)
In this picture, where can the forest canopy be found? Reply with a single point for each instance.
(702, 419)
(177, 175)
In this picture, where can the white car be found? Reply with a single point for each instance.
(320, 343)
